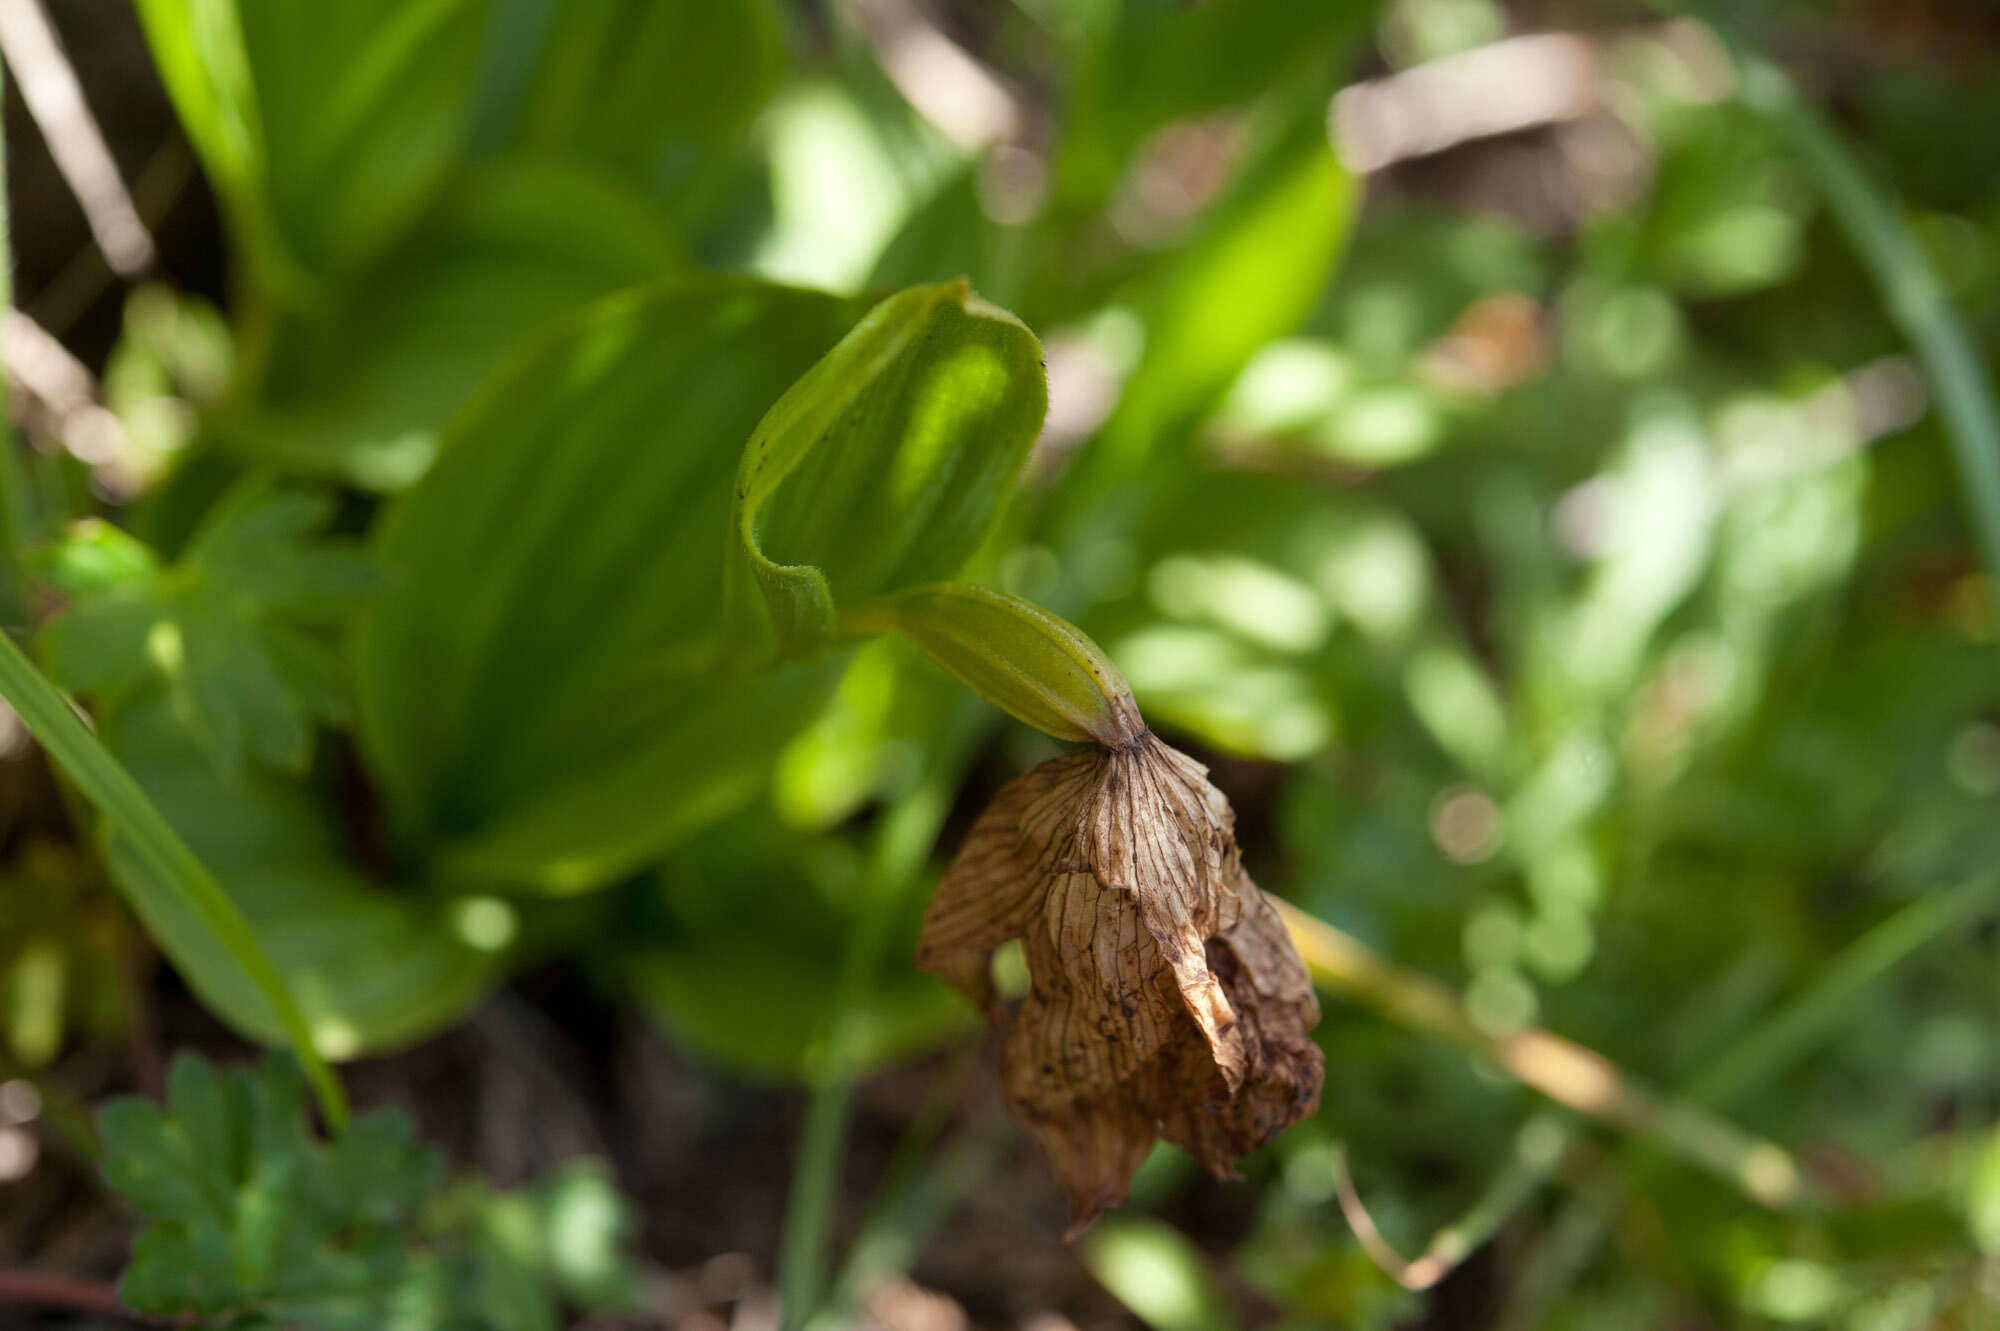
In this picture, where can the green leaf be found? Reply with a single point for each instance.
(283, 859)
(224, 628)
(259, 546)
(1033, 665)
(96, 559)
(1981, 1196)
(653, 757)
(253, 1223)
(249, 1217)
(358, 390)
(199, 52)
(883, 467)
(179, 882)
(1252, 275)
(947, 235)
(1158, 1273)
(325, 129)
(619, 81)
(532, 686)
(717, 968)
(1155, 64)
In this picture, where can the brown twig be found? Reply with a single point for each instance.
(1420, 1274)
(1560, 1069)
(52, 1291)
(1538, 1148)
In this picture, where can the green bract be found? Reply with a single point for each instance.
(883, 467)
(1035, 666)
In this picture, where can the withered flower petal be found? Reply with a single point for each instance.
(1165, 997)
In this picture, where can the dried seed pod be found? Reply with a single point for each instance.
(1166, 998)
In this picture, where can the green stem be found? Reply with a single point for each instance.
(907, 834)
(1538, 1148)
(804, 1247)
(1911, 289)
(110, 789)
(919, 1191)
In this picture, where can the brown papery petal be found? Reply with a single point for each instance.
(1165, 997)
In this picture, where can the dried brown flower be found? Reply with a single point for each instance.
(1166, 998)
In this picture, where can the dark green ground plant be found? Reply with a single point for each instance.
(1563, 520)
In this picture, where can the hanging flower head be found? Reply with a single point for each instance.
(1165, 998)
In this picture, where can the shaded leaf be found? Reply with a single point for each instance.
(531, 681)
(711, 963)
(283, 858)
(253, 1223)
(249, 1218)
(226, 628)
(598, 91)
(325, 130)
(359, 388)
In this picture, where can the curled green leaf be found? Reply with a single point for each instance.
(882, 467)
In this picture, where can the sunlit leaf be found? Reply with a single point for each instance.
(1252, 275)
(883, 467)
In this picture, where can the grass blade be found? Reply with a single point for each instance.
(109, 788)
(1912, 292)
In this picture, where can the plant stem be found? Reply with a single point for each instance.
(910, 1209)
(1560, 1069)
(1911, 289)
(1770, 1046)
(110, 789)
(908, 831)
(1538, 1148)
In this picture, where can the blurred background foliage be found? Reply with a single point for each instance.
(1470, 430)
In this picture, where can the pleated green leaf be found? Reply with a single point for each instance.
(883, 467)
(537, 685)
